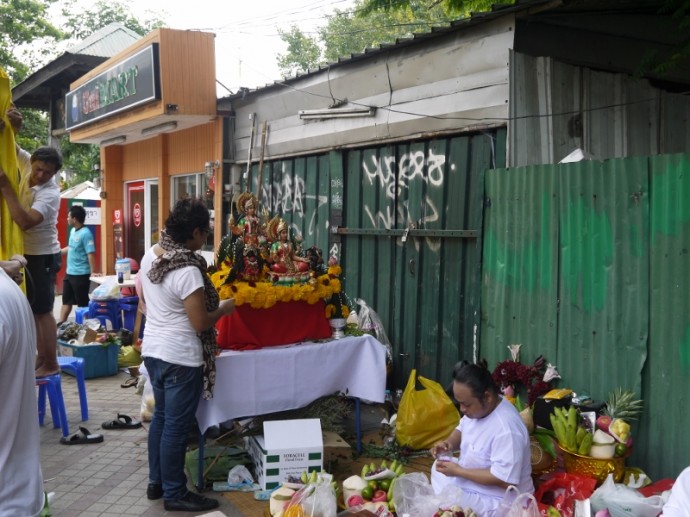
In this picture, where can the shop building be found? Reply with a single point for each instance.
(152, 110)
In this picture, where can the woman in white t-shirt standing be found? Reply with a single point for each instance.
(178, 347)
(493, 442)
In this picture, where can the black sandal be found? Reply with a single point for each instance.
(122, 422)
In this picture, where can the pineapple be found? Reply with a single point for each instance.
(623, 404)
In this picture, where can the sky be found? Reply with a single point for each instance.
(247, 40)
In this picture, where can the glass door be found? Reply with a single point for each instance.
(141, 217)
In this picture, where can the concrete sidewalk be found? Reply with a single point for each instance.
(107, 478)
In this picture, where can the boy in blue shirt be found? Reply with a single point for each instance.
(81, 262)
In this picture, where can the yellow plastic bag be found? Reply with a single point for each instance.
(128, 356)
(424, 416)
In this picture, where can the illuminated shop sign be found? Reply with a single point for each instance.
(131, 82)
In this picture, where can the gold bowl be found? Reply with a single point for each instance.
(595, 468)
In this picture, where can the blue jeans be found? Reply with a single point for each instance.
(176, 392)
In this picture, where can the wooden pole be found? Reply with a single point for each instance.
(264, 134)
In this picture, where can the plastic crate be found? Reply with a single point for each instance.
(99, 360)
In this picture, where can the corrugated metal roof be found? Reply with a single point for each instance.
(434, 32)
(106, 42)
(529, 9)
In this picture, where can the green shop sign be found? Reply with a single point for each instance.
(130, 83)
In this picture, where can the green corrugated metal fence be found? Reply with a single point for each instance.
(587, 264)
(425, 286)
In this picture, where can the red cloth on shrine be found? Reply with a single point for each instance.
(284, 323)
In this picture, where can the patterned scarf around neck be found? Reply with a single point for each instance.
(176, 256)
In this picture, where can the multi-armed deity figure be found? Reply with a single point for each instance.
(251, 246)
(286, 265)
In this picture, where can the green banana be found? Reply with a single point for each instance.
(384, 466)
(313, 477)
(304, 478)
(390, 490)
(586, 445)
(581, 432)
(365, 471)
(394, 465)
(372, 466)
(399, 471)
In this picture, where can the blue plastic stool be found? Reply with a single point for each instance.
(53, 385)
(75, 366)
(81, 313)
(106, 310)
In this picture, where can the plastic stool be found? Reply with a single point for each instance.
(106, 310)
(81, 313)
(53, 385)
(75, 366)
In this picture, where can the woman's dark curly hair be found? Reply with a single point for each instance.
(477, 378)
(187, 215)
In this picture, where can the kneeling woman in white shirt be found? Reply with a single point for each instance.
(493, 442)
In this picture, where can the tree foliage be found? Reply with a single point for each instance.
(28, 40)
(460, 7)
(303, 52)
(21, 23)
(80, 23)
(353, 31)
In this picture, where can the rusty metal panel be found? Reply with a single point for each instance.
(556, 108)
(586, 263)
(662, 444)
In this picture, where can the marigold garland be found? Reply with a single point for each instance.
(264, 295)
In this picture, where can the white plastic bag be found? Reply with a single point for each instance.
(413, 494)
(239, 476)
(317, 499)
(108, 290)
(147, 400)
(515, 504)
(623, 501)
(369, 321)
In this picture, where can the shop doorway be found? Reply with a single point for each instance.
(141, 217)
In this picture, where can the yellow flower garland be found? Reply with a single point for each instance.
(263, 295)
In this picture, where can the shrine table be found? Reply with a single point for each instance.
(284, 323)
(268, 380)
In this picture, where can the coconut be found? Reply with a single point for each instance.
(603, 445)
(602, 438)
(353, 486)
(278, 499)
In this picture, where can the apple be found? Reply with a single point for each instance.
(379, 496)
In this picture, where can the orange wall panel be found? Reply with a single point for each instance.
(188, 71)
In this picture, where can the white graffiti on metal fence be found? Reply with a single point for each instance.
(415, 166)
(289, 196)
(428, 168)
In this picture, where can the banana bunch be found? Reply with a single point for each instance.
(307, 478)
(370, 470)
(570, 435)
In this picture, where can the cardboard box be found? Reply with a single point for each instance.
(334, 449)
(99, 360)
(287, 448)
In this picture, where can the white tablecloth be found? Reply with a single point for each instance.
(105, 278)
(268, 380)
